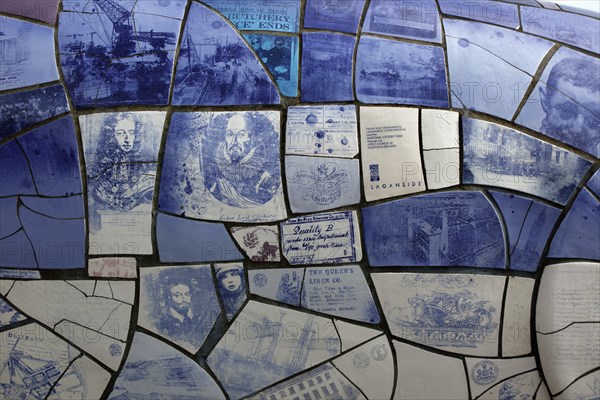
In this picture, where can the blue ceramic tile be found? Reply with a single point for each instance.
(499, 156)
(58, 243)
(231, 283)
(198, 241)
(414, 20)
(15, 175)
(327, 67)
(339, 291)
(23, 109)
(16, 251)
(389, 71)
(64, 207)
(8, 216)
(42, 10)
(113, 54)
(216, 66)
(280, 55)
(28, 54)
(9, 315)
(579, 233)
(529, 224)
(271, 352)
(573, 29)
(450, 229)
(565, 104)
(506, 62)
(266, 15)
(223, 166)
(169, 9)
(318, 184)
(179, 303)
(531, 3)
(342, 16)
(594, 183)
(156, 370)
(54, 158)
(279, 284)
(482, 10)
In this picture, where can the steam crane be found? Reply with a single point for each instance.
(122, 35)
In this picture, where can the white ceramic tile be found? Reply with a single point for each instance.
(442, 168)
(8, 315)
(113, 267)
(516, 329)
(587, 387)
(86, 286)
(103, 289)
(485, 373)
(123, 291)
(260, 243)
(370, 367)
(519, 387)
(352, 335)
(5, 286)
(543, 394)
(280, 284)
(84, 379)
(428, 376)
(439, 129)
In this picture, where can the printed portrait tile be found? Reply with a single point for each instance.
(267, 15)
(179, 304)
(260, 243)
(217, 67)
(342, 16)
(223, 166)
(231, 284)
(279, 284)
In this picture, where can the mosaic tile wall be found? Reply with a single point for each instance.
(299, 199)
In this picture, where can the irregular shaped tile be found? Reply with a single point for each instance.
(439, 129)
(260, 243)
(280, 284)
(323, 382)
(594, 183)
(53, 155)
(519, 387)
(500, 156)
(268, 15)
(322, 238)
(179, 303)
(129, 56)
(565, 105)
(112, 267)
(577, 236)
(280, 55)
(6, 286)
(211, 174)
(391, 155)
(542, 393)
(15, 174)
(506, 63)
(28, 57)
(53, 302)
(549, 4)
(529, 224)
(156, 370)
(485, 373)
(442, 168)
(452, 312)
(579, 10)
(352, 335)
(103, 289)
(32, 359)
(83, 379)
(370, 367)
(198, 241)
(59, 243)
(419, 21)
(123, 291)
(326, 130)
(485, 11)
(279, 343)
(42, 10)
(568, 293)
(8, 216)
(339, 291)
(217, 67)
(573, 29)
(231, 282)
(22, 109)
(427, 376)
(6, 273)
(327, 67)
(321, 184)
(342, 16)
(86, 287)
(587, 387)
(8, 315)
(568, 354)
(516, 328)
(17, 251)
(531, 3)
(388, 71)
(59, 208)
(442, 229)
